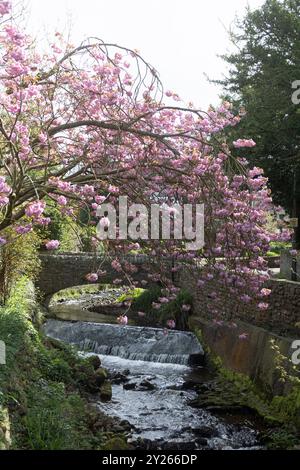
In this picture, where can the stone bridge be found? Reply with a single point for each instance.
(59, 271)
(63, 270)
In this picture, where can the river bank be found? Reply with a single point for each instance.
(46, 388)
(53, 398)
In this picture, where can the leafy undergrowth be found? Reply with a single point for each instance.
(44, 387)
(143, 299)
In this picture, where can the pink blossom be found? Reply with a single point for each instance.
(134, 246)
(116, 162)
(115, 264)
(62, 201)
(44, 221)
(43, 138)
(92, 277)
(163, 300)
(88, 190)
(263, 306)
(122, 320)
(141, 314)
(265, 292)
(171, 324)
(293, 252)
(100, 199)
(3, 241)
(113, 189)
(243, 336)
(245, 298)
(22, 229)
(16, 69)
(244, 143)
(5, 190)
(255, 172)
(35, 209)
(52, 245)
(186, 308)
(5, 8)
(156, 306)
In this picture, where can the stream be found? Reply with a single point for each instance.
(158, 410)
(151, 375)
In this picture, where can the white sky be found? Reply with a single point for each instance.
(180, 38)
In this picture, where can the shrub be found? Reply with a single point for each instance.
(173, 310)
(18, 259)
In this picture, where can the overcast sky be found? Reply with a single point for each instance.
(180, 38)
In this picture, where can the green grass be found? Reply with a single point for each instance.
(278, 247)
(272, 254)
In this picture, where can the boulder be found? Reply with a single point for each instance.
(106, 391)
(94, 361)
(100, 376)
(129, 386)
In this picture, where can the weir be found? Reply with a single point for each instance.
(130, 342)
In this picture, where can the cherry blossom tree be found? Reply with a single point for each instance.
(82, 125)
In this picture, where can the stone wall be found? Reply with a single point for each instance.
(284, 301)
(60, 271)
(252, 357)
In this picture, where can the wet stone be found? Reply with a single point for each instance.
(129, 386)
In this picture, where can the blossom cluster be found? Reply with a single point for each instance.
(81, 127)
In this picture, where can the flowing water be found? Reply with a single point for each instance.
(161, 417)
(149, 371)
(136, 343)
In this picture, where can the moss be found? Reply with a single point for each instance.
(106, 391)
(281, 438)
(5, 439)
(132, 294)
(116, 443)
(288, 407)
(77, 291)
(94, 360)
(100, 376)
